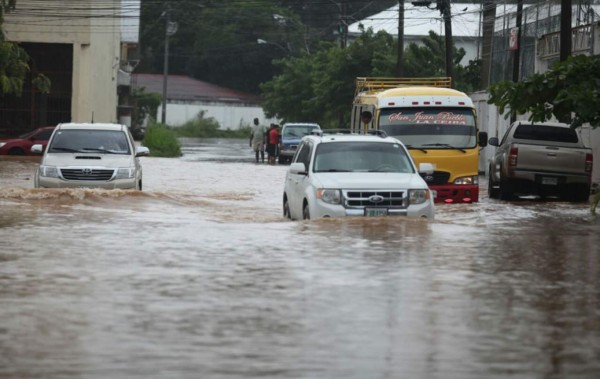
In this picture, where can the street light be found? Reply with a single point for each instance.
(263, 42)
(286, 22)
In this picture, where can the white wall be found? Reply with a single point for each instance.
(227, 115)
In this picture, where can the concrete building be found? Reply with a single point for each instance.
(540, 47)
(187, 97)
(79, 48)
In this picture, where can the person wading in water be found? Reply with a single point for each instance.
(257, 140)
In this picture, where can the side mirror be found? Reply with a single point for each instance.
(426, 168)
(142, 151)
(494, 141)
(298, 168)
(483, 139)
(38, 148)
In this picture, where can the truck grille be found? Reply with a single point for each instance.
(360, 199)
(437, 178)
(86, 174)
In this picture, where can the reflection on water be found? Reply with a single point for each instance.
(200, 276)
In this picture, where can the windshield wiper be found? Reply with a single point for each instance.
(86, 149)
(67, 149)
(334, 170)
(416, 148)
(446, 145)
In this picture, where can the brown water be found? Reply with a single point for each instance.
(199, 276)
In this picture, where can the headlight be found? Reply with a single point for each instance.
(466, 180)
(49, 171)
(330, 196)
(418, 196)
(2, 144)
(125, 173)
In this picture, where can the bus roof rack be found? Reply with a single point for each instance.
(366, 84)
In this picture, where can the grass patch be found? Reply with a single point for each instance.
(162, 141)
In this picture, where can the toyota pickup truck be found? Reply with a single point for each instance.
(544, 159)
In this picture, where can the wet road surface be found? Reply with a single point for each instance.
(199, 276)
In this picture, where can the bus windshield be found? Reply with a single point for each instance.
(431, 128)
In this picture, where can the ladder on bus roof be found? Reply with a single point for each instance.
(366, 84)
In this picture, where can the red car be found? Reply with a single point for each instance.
(22, 144)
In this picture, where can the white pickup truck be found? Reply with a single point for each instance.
(544, 159)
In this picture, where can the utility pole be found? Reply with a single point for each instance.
(517, 51)
(565, 29)
(343, 25)
(489, 16)
(444, 7)
(400, 59)
(170, 29)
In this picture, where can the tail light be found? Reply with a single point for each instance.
(512, 157)
(589, 161)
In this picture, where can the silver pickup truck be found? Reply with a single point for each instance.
(544, 159)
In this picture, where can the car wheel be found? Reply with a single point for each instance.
(286, 208)
(305, 212)
(576, 193)
(16, 151)
(493, 193)
(506, 190)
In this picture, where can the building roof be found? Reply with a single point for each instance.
(184, 88)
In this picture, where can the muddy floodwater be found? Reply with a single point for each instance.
(200, 276)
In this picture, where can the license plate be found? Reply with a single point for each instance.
(376, 212)
(549, 181)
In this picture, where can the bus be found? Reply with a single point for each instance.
(436, 123)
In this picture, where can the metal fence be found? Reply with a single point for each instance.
(538, 19)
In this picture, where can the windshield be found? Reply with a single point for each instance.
(440, 128)
(89, 141)
(541, 132)
(27, 135)
(298, 131)
(362, 157)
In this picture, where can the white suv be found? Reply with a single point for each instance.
(338, 175)
(91, 156)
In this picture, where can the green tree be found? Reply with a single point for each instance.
(570, 92)
(320, 87)
(145, 105)
(217, 41)
(13, 59)
(14, 62)
(428, 59)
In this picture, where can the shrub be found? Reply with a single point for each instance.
(162, 141)
(202, 127)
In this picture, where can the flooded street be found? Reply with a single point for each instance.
(200, 276)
